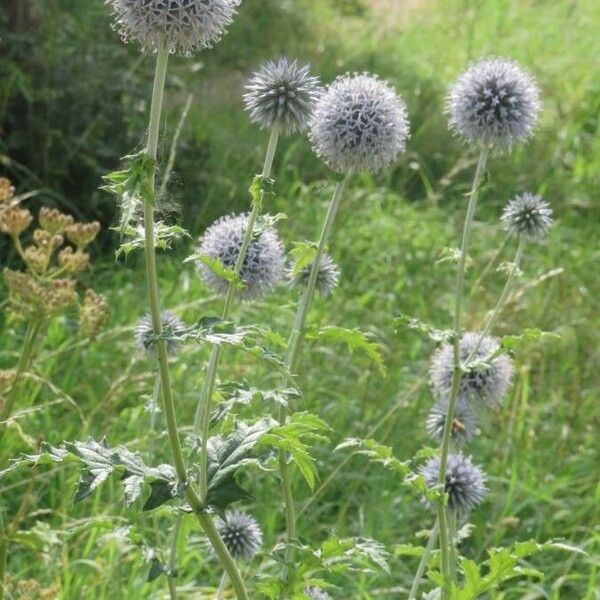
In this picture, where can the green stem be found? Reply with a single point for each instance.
(451, 517)
(421, 568)
(163, 364)
(3, 555)
(457, 374)
(222, 586)
(293, 350)
(172, 566)
(202, 417)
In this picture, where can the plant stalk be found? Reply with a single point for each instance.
(421, 568)
(222, 586)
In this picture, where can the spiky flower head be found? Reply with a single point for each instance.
(527, 215)
(328, 276)
(316, 594)
(241, 534)
(465, 482)
(282, 93)
(183, 26)
(359, 124)
(263, 266)
(494, 102)
(464, 424)
(144, 332)
(487, 380)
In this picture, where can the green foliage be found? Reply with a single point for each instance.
(303, 254)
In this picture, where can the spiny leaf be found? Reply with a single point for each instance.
(376, 452)
(303, 254)
(512, 343)
(218, 268)
(164, 237)
(437, 335)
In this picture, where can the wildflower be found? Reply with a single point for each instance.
(170, 325)
(465, 482)
(464, 424)
(36, 259)
(46, 241)
(486, 379)
(240, 533)
(359, 124)
(527, 215)
(93, 313)
(328, 276)
(494, 102)
(7, 190)
(316, 594)
(282, 93)
(183, 26)
(73, 261)
(263, 265)
(83, 234)
(14, 221)
(7, 377)
(53, 221)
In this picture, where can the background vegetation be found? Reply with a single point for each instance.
(73, 99)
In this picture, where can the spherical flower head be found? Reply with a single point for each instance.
(183, 26)
(494, 102)
(264, 263)
(144, 332)
(316, 594)
(527, 215)
(464, 424)
(465, 482)
(240, 533)
(488, 379)
(328, 276)
(359, 124)
(282, 93)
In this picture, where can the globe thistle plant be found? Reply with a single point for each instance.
(359, 124)
(465, 482)
(328, 276)
(495, 103)
(240, 533)
(144, 332)
(464, 423)
(486, 381)
(263, 266)
(282, 93)
(183, 26)
(316, 594)
(527, 215)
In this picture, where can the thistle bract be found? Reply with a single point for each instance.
(183, 26)
(486, 381)
(465, 482)
(328, 276)
(495, 102)
(144, 332)
(241, 534)
(527, 215)
(316, 594)
(464, 423)
(359, 124)
(282, 93)
(263, 266)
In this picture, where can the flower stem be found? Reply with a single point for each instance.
(222, 586)
(421, 568)
(202, 417)
(457, 374)
(163, 364)
(293, 349)
(172, 566)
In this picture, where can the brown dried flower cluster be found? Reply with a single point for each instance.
(93, 313)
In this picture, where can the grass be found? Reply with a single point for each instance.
(541, 450)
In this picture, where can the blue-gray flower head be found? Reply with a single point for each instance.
(486, 382)
(184, 26)
(144, 332)
(282, 93)
(240, 533)
(316, 594)
(359, 124)
(494, 102)
(527, 215)
(464, 424)
(328, 276)
(465, 482)
(263, 267)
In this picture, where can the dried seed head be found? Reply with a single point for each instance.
(93, 313)
(73, 261)
(465, 482)
(464, 424)
(264, 263)
(527, 215)
(36, 259)
(14, 221)
(46, 241)
(328, 276)
(183, 26)
(241, 534)
(60, 294)
(282, 93)
(494, 102)
(7, 190)
(7, 376)
(144, 332)
(316, 594)
(53, 221)
(488, 379)
(359, 124)
(83, 234)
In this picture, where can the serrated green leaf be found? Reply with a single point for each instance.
(219, 269)
(527, 336)
(437, 335)
(303, 254)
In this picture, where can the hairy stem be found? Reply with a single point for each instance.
(202, 417)
(421, 568)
